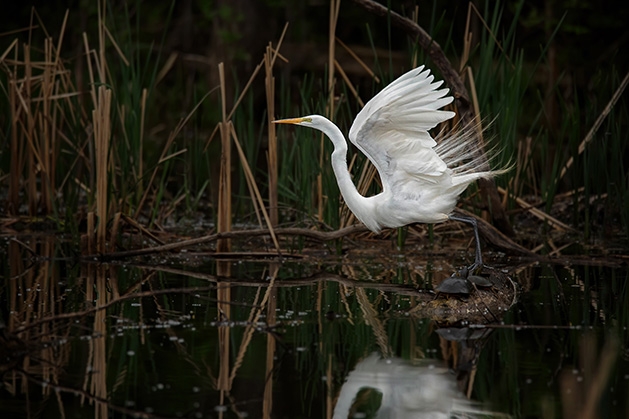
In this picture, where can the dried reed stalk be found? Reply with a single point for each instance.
(224, 221)
(101, 117)
(269, 84)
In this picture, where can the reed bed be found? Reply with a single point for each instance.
(102, 126)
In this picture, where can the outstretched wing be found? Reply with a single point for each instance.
(392, 129)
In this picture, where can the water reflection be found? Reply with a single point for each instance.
(201, 338)
(424, 389)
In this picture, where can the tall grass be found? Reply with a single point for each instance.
(117, 158)
(97, 139)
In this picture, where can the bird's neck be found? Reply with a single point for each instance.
(358, 204)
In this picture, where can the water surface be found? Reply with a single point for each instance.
(192, 336)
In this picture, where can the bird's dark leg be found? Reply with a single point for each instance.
(478, 262)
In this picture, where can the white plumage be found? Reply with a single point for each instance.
(421, 179)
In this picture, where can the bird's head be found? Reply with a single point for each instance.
(322, 124)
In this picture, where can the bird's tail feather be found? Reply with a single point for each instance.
(462, 151)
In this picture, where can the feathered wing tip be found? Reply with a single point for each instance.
(413, 100)
(462, 151)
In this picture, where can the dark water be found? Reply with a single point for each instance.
(198, 338)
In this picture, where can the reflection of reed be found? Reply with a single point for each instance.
(371, 316)
(96, 368)
(34, 294)
(254, 316)
(582, 393)
(223, 295)
(271, 304)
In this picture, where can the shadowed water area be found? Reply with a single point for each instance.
(349, 331)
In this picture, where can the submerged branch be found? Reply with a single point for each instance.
(490, 233)
(304, 232)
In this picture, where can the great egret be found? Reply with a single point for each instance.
(421, 180)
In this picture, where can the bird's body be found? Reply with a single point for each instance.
(421, 180)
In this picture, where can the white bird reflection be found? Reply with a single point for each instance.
(409, 390)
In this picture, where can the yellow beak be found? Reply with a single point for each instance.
(290, 121)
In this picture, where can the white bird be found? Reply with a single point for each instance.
(421, 180)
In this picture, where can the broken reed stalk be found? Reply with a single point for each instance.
(269, 84)
(101, 116)
(224, 188)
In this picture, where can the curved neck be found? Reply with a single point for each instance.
(358, 204)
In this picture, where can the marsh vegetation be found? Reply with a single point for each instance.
(168, 252)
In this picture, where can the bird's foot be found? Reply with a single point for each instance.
(473, 269)
(473, 274)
